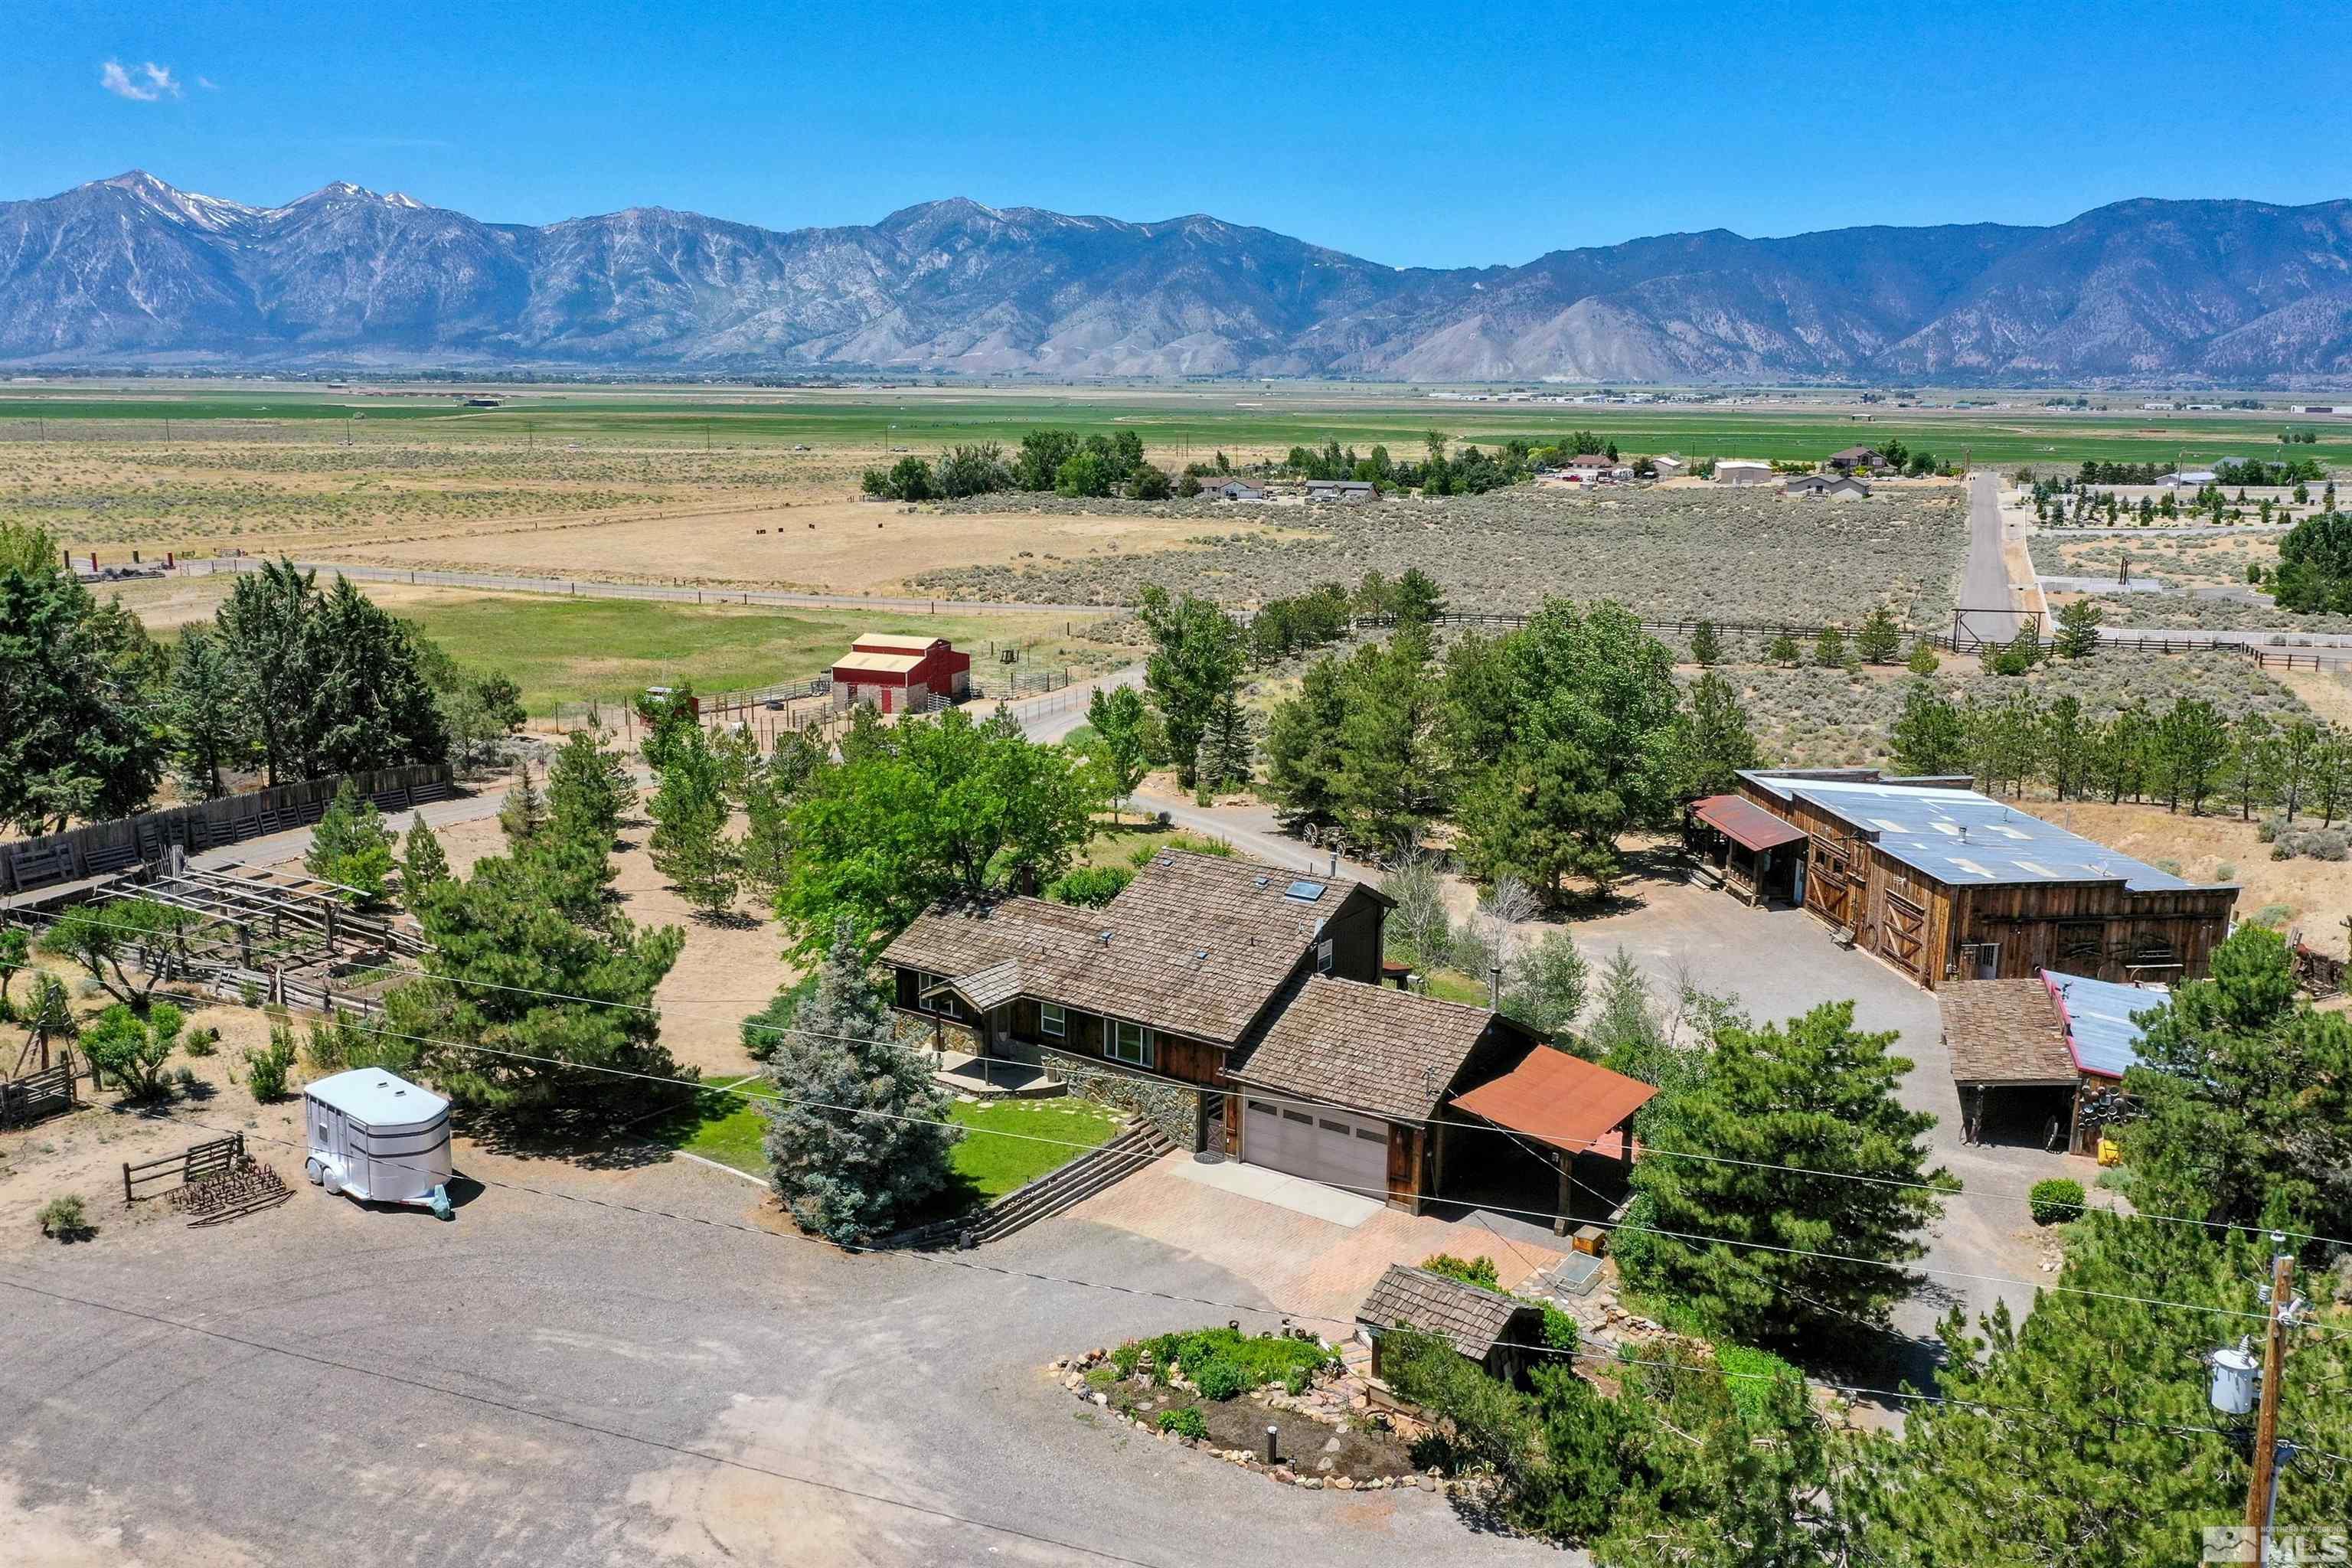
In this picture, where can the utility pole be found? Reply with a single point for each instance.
(2261, 1488)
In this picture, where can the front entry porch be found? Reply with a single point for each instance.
(993, 1078)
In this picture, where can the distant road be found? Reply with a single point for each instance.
(1985, 588)
(588, 588)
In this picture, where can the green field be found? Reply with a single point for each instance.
(1194, 421)
(1007, 1143)
(608, 651)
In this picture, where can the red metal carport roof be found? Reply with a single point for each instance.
(1745, 822)
(1565, 1100)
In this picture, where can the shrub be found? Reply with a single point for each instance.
(265, 1070)
(2225, 872)
(1479, 1270)
(1255, 1361)
(203, 1042)
(1089, 887)
(2271, 915)
(1559, 1331)
(1192, 843)
(131, 1050)
(1748, 1374)
(1184, 1423)
(63, 1218)
(1126, 1357)
(1220, 1380)
(1100, 1377)
(2059, 1198)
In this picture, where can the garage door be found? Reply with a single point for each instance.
(1319, 1143)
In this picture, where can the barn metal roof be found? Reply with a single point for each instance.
(2097, 1018)
(1964, 838)
(1747, 824)
(878, 663)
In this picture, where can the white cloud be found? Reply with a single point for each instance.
(208, 84)
(149, 82)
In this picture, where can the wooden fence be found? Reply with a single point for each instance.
(105, 847)
(191, 1165)
(38, 1094)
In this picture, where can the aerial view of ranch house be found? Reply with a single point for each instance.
(1241, 1009)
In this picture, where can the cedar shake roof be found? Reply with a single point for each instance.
(2005, 1032)
(1470, 1317)
(1368, 1047)
(1197, 945)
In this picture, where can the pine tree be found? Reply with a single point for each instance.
(1814, 1093)
(1228, 751)
(1879, 638)
(1782, 649)
(589, 790)
(859, 1139)
(423, 864)
(1923, 659)
(1302, 747)
(689, 844)
(524, 816)
(1716, 742)
(1930, 736)
(1829, 647)
(1706, 645)
(351, 847)
(2078, 629)
(208, 740)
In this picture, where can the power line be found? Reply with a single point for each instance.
(1365, 1192)
(1966, 1192)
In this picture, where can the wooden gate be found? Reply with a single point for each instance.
(1902, 936)
(38, 1094)
(1829, 890)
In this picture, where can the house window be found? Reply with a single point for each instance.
(1131, 1043)
(1323, 956)
(1051, 1020)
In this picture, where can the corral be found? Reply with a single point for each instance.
(1944, 883)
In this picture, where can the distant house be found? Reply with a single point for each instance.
(1497, 1331)
(1591, 460)
(1742, 471)
(1670, 467)
(1865, 459)
(2194, 478)
(1345, 492)
(900, 674)
(1838, 487)
(1231, 489)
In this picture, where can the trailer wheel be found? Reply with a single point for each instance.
(312, 1169)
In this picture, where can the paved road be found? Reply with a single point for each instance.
(1984, 588)
(587, 588)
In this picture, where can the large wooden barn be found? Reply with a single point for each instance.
(1945, 883)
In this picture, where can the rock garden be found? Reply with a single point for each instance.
(1217, 1391)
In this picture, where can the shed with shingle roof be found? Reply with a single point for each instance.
(1495, 1331)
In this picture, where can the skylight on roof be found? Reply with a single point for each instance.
(2038, 868)
(1306, 892)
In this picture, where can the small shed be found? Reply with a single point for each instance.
(375, 1136)
(900, 674)
(1742, 471)
(1497, 1331)
(1580, 1112)
(1757, 856)
(1344, 493)
(1669, 468)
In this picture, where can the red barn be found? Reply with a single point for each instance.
(900, 674)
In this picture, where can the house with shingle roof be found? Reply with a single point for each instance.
(1238, 1004)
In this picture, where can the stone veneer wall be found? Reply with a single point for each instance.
(1173, 1107)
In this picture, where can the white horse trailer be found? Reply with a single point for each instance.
(380, 1138)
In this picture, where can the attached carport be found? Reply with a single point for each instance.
(1574, 1113)
(1747, 848)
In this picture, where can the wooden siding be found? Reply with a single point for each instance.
(1934, 931)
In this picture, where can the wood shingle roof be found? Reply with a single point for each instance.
(2005, 1032)
(1367, 1047)
(1197, 945)
(1472, 1318)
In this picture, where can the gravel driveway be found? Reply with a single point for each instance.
(554, 1379)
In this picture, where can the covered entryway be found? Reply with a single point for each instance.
(1317, 1142)
(1758, 857)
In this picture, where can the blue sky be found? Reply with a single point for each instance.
(1411, 134)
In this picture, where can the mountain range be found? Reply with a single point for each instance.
(131, 270)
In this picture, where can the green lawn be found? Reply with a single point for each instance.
(608, 651)
(1008, 1143)
(1197, 421)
